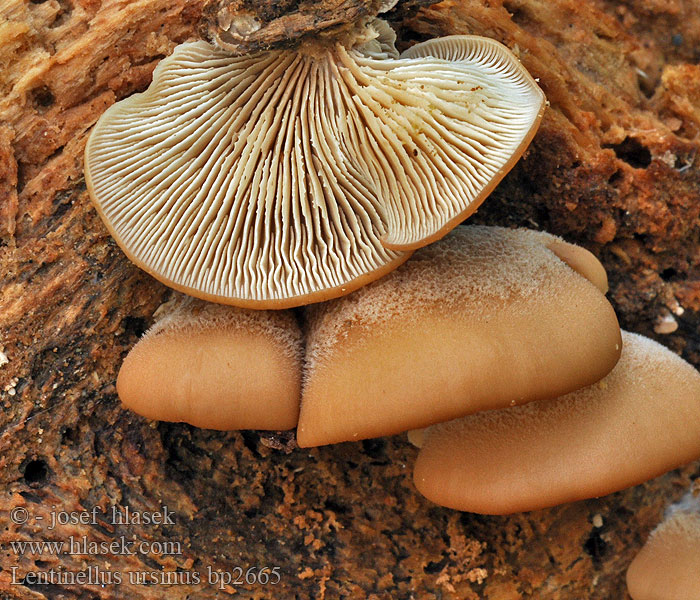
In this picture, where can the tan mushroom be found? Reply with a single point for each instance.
(641, 420)
(482, 319)
(668, 566)
(285, 177)
(217, 367)
(582, 261)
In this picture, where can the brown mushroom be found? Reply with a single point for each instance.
(482, 319)
(285, 177)
(638, 422)
(582, 261)
(217, 367)
(668, 566)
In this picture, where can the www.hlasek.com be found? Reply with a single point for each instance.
(83, 546)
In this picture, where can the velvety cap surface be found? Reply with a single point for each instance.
(482, 319)
(641, 420)
(217, 367)
(668, 566)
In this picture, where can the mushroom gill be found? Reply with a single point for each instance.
(286, 177)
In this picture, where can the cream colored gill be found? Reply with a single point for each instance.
(285, 177)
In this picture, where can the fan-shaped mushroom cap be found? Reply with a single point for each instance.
(668, 566)
(582, 261)
(638, 422)
(286, 177)
(217, 367)
(485, 318)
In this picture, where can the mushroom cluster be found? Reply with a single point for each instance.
(500, 342)
(472, 322)
(286, 177)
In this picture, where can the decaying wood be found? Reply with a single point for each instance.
(242, 26)
(614, 167)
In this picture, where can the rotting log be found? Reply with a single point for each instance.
(614, 167)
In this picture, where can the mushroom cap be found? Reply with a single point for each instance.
(281, 178)
(582, 261)
(217, 367)
(642, 420)
(485, 318)
(668, 566)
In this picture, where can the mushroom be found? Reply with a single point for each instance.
(668, 566)
(485, 318)
(286, 177)
(642, 420)
(217, 367)
(582, 261)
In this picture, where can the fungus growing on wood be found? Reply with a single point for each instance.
(286, 177)
(485, 318)
(642, 420)
(668, 566)
(217, 367)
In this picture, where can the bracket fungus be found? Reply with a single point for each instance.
(286, 177)
(589, 443)
(485, 318)
(217, 367)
